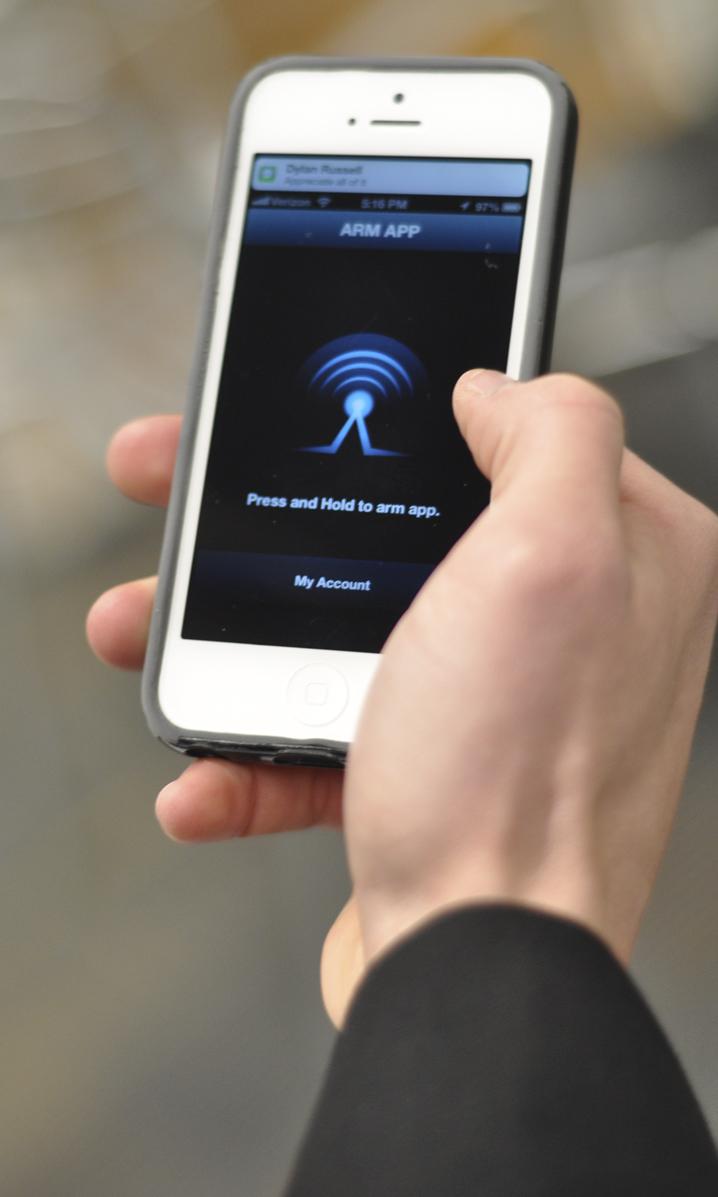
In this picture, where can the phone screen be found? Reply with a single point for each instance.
(336, 478)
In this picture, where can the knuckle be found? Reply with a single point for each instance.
(692, 529)
(573, 566)
(570, 390)
(705, 523)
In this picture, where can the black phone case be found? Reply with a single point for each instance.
(535, 359)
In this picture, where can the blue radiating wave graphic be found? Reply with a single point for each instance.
(358, 372)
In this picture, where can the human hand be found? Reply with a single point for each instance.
(528, 729)
(510, 594)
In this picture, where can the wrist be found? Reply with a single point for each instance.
(387, 918)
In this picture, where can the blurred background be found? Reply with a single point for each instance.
(161, 1025)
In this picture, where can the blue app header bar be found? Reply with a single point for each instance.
(407, 176)
(355, 230)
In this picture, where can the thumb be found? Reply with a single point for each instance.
(557, 440)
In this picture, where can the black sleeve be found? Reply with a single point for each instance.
(501, 1052)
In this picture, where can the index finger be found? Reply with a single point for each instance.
(141, 458)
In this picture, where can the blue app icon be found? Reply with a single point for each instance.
(359, 375)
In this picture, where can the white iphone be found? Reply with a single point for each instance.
(381, 226)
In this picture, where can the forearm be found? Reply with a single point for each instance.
(504, 1053)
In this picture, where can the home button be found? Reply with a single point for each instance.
(317, 695)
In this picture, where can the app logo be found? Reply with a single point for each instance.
(267, 174)
(362, 374)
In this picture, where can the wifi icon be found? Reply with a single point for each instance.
(324, 200)
(361, 373)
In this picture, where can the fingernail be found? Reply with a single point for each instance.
(168, 790)
(179, 783)
(483, 382)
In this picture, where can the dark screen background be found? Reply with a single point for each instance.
(453, 310)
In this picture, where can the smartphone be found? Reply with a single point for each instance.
(380, 227)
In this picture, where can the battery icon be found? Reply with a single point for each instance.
(512, 207)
